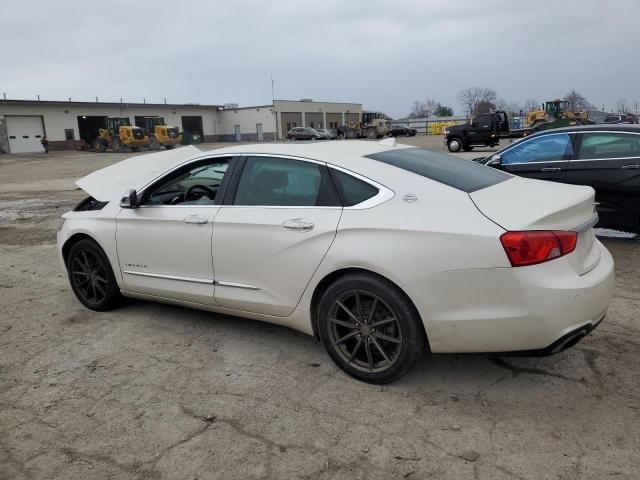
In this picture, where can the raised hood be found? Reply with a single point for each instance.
(525, 204)
(111, 182)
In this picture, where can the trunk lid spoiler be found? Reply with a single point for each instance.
(525, 204)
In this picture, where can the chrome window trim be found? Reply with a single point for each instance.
(614, 132)
(384, 193)
(600, 159)
(528, 139)
(170, 277)
(588, 224)
(141, 190)
(533, 163)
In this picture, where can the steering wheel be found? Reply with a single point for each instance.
(210, 193)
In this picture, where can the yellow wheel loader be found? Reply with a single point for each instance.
(372, 126)
(160, 134)
(554, 114)
(120, 135)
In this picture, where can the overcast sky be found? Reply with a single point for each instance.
(384, 54)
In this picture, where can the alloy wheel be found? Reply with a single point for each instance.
(364, 331)
(89, 276)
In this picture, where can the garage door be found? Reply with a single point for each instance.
(313, 120)
(351, 117)
(291, 120)
(24, 134)
(334, 120)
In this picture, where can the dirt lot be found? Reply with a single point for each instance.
(153, 391)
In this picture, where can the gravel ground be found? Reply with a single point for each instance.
(155, 391)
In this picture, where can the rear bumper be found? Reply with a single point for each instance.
(524, 309)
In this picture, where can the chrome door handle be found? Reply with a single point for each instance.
(297, 224)
(631, 167)
(551, 169)
(195, 220)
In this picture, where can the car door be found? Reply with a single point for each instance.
(543, 157)
(164, 245)
(278, 221)
(480, 130)
(609, 162)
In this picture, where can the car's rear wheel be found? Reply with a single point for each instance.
(369, 328)
(91, 276)
(454, 144)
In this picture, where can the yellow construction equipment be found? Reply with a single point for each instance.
(160, 134)
(373, 125)
(555, 111)
(120, 135)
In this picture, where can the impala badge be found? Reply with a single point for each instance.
(410, 198)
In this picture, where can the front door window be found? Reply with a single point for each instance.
(545, 148)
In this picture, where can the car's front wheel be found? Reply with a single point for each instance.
(370, 329)
(91, 276)
(455, 144)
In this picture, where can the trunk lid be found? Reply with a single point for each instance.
(525, 204)
(111, 182)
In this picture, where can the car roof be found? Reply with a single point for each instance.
(336, 152)
(633, 128)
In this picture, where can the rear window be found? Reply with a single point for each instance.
(455, 172)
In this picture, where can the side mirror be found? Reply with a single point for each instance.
(129, 200)
(495, 160)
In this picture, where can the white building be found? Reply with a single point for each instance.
(74, 125)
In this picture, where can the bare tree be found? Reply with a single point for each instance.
(471, 97)
(636, 106)
(623, 105)
(513, 108)
(531, 105)
(423, 109)
(576, 102)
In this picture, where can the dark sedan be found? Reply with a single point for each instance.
(604, 157)
(402, 130)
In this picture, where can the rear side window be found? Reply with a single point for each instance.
(609, 145)
(455, 172)
(352, 190)
(273, 181)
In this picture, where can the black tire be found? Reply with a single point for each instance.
(454, 144)
(407, 133)
(381, 301)
(91, 277)
(168, 147)
(467, 148)
(99, 146)
(135, 149)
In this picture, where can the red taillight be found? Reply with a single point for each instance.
(530, 248)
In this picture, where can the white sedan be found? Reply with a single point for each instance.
(381, 251)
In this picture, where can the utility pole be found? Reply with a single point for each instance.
(273, 103)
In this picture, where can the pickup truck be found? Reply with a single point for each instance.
(484, 130)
